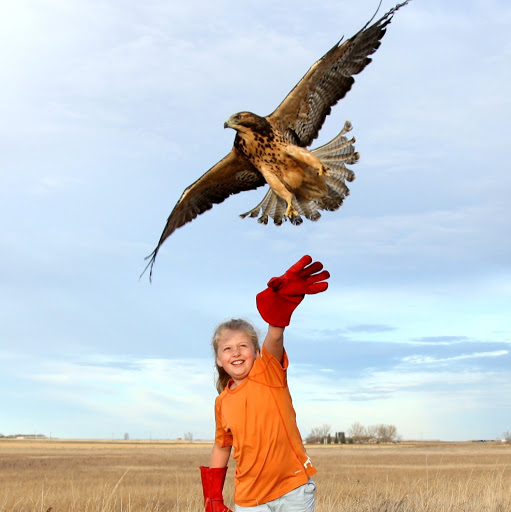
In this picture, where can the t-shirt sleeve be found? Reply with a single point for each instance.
(270, 371)
(223, 437)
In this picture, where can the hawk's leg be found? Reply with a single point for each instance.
(306, 157)
(290, 211)
(279, 188)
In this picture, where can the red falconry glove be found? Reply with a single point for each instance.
(277, 303)
(212, 485)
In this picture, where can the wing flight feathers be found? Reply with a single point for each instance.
(302, 113)
(231, 175)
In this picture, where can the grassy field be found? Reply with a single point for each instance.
(127, 476)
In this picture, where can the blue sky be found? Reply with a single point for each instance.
(110, 109)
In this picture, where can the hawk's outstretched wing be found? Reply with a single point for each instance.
(233, 174)
(302, 113)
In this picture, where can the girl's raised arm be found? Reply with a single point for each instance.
(277, 303)
(274, 341)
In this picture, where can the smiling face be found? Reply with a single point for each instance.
(236, 354)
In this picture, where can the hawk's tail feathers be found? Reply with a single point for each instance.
(271, 206)
(338, 152)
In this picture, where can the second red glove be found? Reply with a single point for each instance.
(212, 484)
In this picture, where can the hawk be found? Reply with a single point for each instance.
(272, 150)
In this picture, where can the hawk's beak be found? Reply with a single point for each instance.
(226, 124)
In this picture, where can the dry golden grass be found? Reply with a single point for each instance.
(415, 477)
(124, 476)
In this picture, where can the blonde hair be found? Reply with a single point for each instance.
(235, 324)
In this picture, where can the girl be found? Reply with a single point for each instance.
(254, 412)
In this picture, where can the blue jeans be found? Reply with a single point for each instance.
(300, 499)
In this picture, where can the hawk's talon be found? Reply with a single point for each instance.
(290, 211)
(323, 171)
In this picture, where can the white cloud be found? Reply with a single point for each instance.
(429, 404)
(138, 395)
(428, 360)
(49, 184)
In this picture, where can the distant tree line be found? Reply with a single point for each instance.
(379, 433)
(357, 434)
(25, 436)
(320, 435)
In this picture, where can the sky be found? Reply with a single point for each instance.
(109, 110)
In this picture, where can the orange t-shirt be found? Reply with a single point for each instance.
(257, 418)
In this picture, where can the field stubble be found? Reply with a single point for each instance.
(124, 476)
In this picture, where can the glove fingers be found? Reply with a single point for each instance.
(300, 264)
(299, 278)
(276, 283)
(317, 288)
(311, 269)
(321, 276)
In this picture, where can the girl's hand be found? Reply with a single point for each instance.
(303, 278)
(277, 303)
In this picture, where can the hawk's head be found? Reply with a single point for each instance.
(247, 120)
